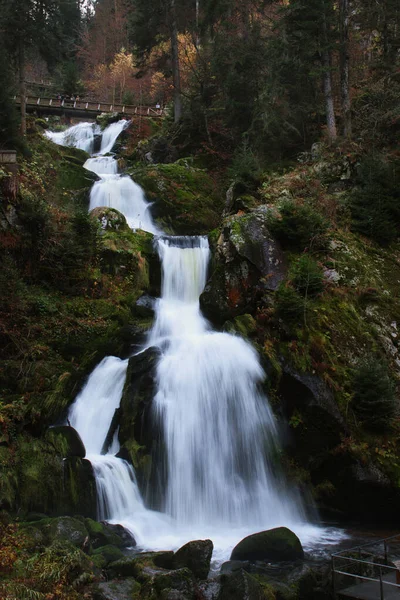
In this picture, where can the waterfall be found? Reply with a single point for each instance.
(110, 135)
(79, 136)
(219, 432)
(120, 192)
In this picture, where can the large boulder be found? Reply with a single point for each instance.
(105, 534)
(196, 556)
(138, 436)
(274, 545)
(67, 441)
(241, 586)
(79, 496)
(247, 263)
(64, 529)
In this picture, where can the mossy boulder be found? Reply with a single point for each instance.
(279, 544)
(110, 219)
(185, 199)
(64, 529)
(66, 440)
(137, 435)
(109, 553)
(105, 534)
(79, 495)
(115, 589)
(196, 556)
(246, 264)
(241, 586)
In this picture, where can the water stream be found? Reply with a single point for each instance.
(220, 434)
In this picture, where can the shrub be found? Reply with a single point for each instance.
(375, 204)
(307, 277)
(298, 227)
(289, 305)
(374, 400)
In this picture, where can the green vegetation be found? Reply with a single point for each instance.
(374, 400)
(298, 226)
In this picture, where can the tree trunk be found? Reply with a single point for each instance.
(327, 65)
(22, 85)
(345, 66)
(176, 76)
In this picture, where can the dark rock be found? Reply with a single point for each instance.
(177, 580)
(240, 586)
(145, 306)
(110, 219)
(138, 433)
(120, 536)
(34, 537)
(79, 495)
(100, 535)
(111, 431)
(64, 529)
(165, 560)
(116, 590)
(66, 440)
(196, 556)
(231, 566)
(246, 263)
(322, 426)
(109, 553)
(279, 544)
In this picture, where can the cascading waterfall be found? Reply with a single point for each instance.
(80, 136)
(218, 428)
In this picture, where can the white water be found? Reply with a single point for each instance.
(111, 134)
(218, 428)
(79, 136)
(120, 192)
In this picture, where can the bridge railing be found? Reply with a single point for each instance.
(372, 568)
(97, 107)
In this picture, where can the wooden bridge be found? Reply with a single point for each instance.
(81, 108)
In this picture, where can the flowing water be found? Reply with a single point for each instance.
(219, 431)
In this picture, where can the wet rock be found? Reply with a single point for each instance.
(79, 496)
(246, 263)
(104, 534)
(196, 556)
(66, 440)
(321, 425)
(109, 553)
(145, 306)
(64, 529)
(240, 586)
(116, 590)
(138, 434)
(163, 582)
(230, 566)
(110, 219)
(278, 544)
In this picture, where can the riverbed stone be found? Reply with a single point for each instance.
(278, 544)
(64, 529)
(196, 556)
(109, 552)
(116, 589)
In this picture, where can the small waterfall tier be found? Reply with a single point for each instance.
(80, 136)
(122, 193)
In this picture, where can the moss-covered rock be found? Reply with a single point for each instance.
(128, 589)
(64, 530)
(196, 556)
(246, 263)
(105, 534)
(185, 199)
(67, 441)
(279, 544)
(109, 552)
(109, 219)
(242, 586)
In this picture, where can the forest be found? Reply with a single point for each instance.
(199, 299)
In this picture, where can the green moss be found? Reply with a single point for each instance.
(186, 200)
